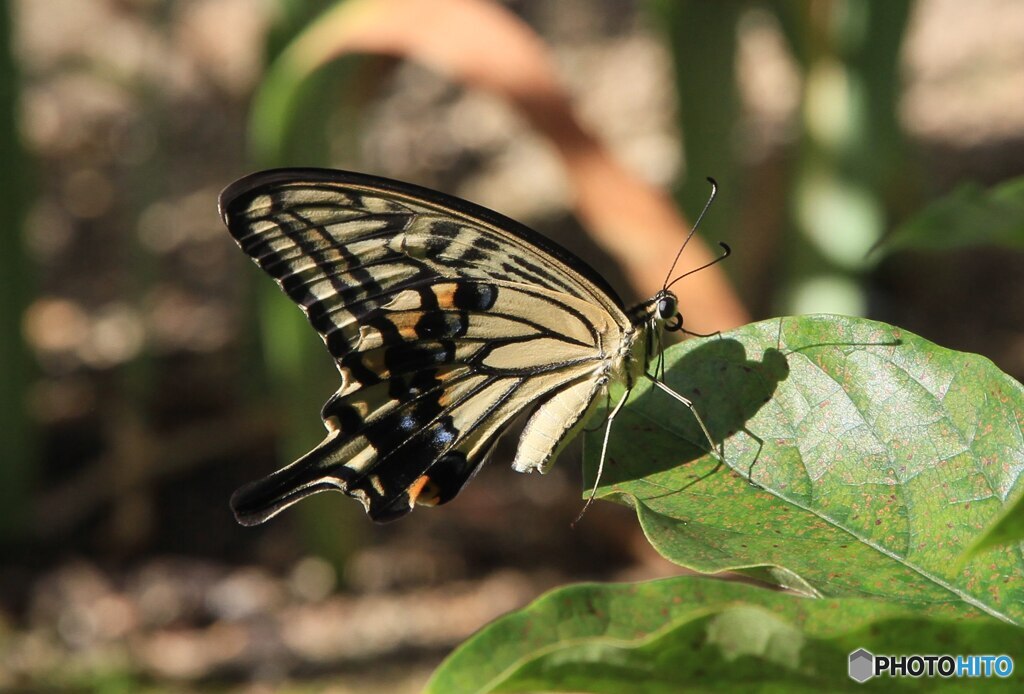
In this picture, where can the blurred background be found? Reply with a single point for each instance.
(149, 368)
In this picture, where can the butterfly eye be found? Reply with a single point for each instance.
(666, 307)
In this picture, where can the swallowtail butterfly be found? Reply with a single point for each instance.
(447, 322)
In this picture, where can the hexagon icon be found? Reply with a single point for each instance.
(862, 665)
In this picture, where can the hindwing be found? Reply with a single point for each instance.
(446, 321)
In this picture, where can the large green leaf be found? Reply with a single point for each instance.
(970, 215)
(877, 459)
(689, 633)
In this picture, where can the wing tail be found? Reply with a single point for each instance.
(319, 470)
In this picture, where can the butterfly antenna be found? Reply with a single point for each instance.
(726, 252)
(693, 229)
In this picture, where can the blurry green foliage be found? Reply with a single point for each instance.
(851, 159)
(851, 147)
(969, 216)
(702, 37)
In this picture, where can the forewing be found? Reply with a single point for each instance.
(332, 238)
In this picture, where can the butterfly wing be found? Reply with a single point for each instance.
(446, 322)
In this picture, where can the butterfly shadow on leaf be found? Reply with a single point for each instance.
(655, 434)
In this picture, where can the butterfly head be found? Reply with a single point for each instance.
(664, 308)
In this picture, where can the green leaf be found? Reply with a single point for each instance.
(969, 216)
(1007, 529)
(298, 93)
(878, 458)
(698, 633)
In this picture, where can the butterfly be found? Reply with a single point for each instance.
(447, 322)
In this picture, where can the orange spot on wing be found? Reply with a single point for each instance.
(445, 294)
(423, 483)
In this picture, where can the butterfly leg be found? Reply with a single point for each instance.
(604, 452)
(696, 415)
(607, 409)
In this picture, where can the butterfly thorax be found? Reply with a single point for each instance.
(648, 319)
